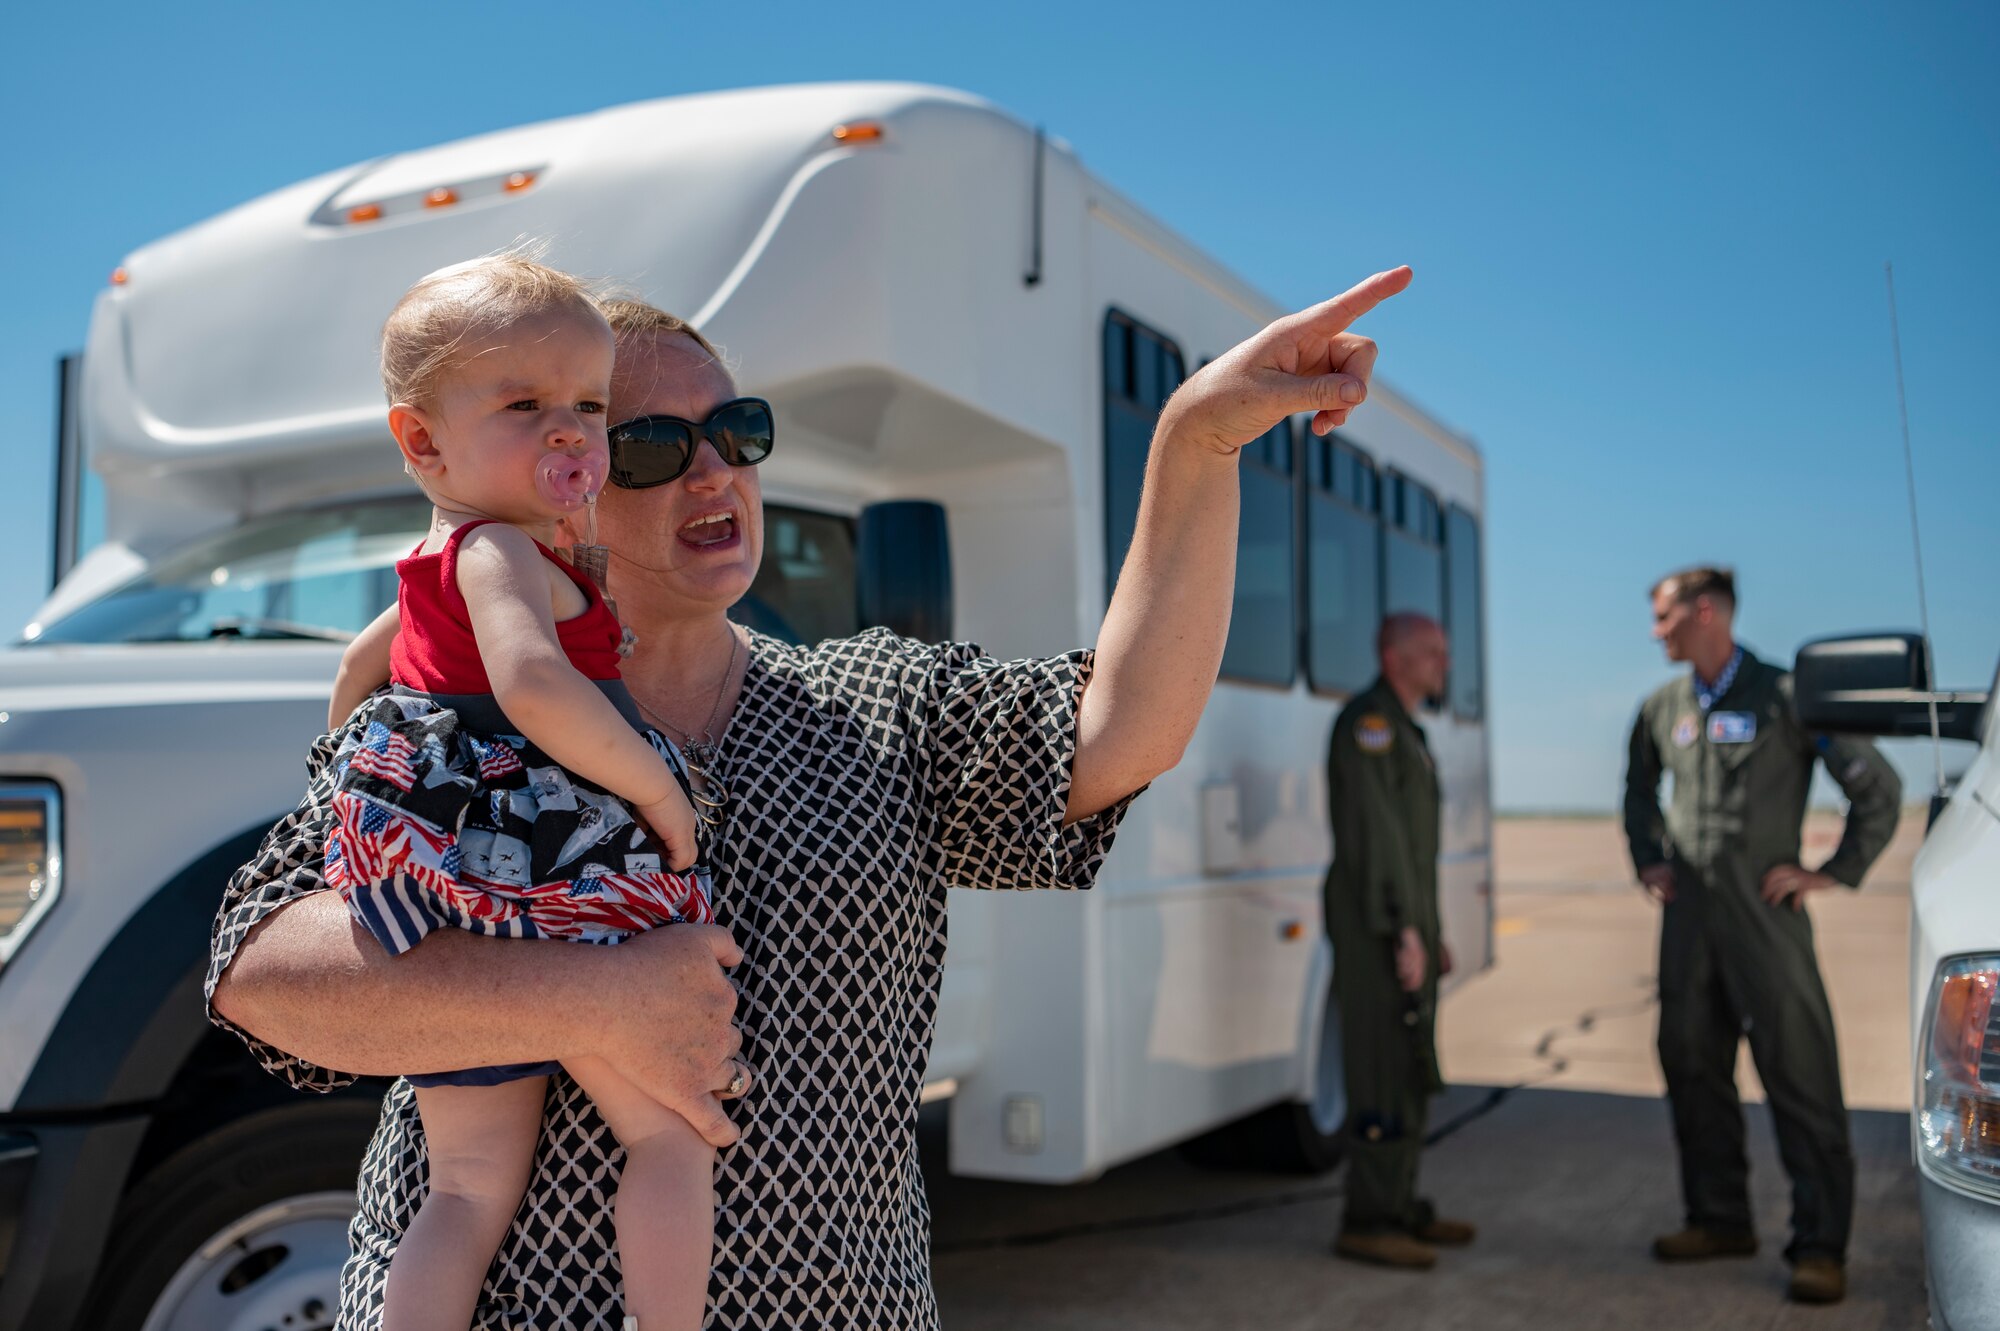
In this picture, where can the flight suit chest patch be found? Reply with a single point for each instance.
(1373, 734)
(1686, 730)
(1732, 727)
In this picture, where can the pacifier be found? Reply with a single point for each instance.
(593, 559)
(571, 482)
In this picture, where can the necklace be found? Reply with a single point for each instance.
(704, 754)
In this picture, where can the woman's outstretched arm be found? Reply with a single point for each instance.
(1161, 645)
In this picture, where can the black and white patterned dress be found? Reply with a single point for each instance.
(866, 776)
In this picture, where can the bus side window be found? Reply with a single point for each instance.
(1343, 565)
(1466, 607)
(1412, 549)
(804, 591)
(1142, 368)
(1263, 639)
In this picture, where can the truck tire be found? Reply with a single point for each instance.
(1292, 1136)
(243, 1229)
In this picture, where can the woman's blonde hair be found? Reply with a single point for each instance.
(460, 307)
(632, 318)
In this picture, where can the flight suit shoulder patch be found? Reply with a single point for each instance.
(1373, 734)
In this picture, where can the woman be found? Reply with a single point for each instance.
(850, 802)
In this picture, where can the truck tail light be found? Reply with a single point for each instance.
(30, 858)
(1958, 1116)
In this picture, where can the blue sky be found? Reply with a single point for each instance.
(1648, 244)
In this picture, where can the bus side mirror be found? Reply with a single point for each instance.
(903, 569)
(1876, 684)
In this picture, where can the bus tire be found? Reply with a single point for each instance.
(1295, 1144)
(1305, 1136)
(244, 1226)
(1278, 1139)
(1292, 1136)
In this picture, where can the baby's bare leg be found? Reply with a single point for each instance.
(481, 1141)
(665, 1212)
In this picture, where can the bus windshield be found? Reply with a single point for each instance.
(318, 574)
(323, 574)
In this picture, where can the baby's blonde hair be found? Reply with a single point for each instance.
(459, 307)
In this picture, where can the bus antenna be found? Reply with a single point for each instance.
(1033, 277)
(1916, 539)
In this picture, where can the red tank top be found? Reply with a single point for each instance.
(435, 651)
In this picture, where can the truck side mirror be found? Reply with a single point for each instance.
(903, 569)
(1876, 684)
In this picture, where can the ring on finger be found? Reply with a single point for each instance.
(740, 1081)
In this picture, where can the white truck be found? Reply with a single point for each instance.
(943, 304)
(1880, 684)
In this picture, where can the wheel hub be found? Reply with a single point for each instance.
(275, 1269)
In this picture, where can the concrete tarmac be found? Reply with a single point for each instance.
(1554, 1142)
(1570, 1000)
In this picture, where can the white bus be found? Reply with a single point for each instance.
(944, 305)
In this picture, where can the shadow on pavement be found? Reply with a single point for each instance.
(1568, 1188)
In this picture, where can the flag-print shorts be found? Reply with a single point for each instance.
(445, 819)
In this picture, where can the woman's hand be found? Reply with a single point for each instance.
(1160, 646)
(658, 1007)
(673, 822)
(668, 1026)
(1304, 362)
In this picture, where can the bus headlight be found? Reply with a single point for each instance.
(30, 858)
(1958, 1119)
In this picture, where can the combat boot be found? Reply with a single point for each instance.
(1442, 1233)
(1818, 1280)
(1427, 1226)
(1385, 1249)
(1695, 1244)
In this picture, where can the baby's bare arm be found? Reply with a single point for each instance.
(502, 576)
(364, 667)
(510, 593)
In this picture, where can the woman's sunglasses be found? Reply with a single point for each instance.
(652, 450)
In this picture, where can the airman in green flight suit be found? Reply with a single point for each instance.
(1381, 900)
(1736, 946)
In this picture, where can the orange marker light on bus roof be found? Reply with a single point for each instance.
(858, 131)
(519, 181)
(441, 197)
(367, 212)
(119, 277)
